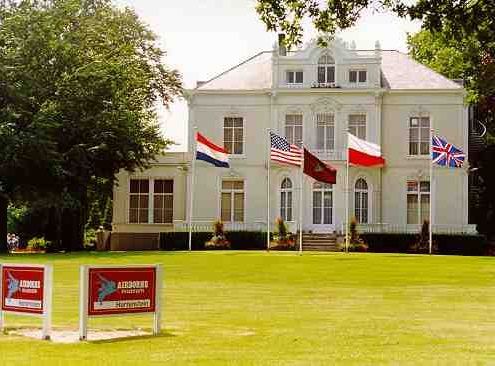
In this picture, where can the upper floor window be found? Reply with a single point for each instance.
(294, 129)
(358, 76)
(233, 135)
(357, 125)
(325, 131)
(419, 136)
(326, 69)
(418, 201)
(286, 200)
(232, 201)
(294, 77)
(361, 201)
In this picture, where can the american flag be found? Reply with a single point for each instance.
(283, 152)
(446, 154)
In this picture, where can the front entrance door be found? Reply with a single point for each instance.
(322, 207)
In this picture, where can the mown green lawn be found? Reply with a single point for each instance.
(257, 308)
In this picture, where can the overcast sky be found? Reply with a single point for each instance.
(205, 37)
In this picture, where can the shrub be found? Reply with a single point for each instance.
(389, 242)
(218, 240)
(356, 244)
(37, 244)
(179, 240)
(90, 239)
(459, 244)
(240, 240)
(281, 232)
(247, 240)
(422, 245)
(353, 231)
(282, 239)
(359, 246)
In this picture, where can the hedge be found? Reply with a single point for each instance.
(240, 240)
(446, 243)
(461, 244)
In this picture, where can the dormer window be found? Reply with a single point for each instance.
(358, 77)
(294, 77)
(326, 69)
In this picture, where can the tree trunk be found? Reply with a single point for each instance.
(3, 224)
(72, 230)
(73, 223)
(53, 230)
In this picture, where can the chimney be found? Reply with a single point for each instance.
(282, 50)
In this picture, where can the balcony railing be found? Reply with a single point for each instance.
(415, 229)
(207, 226)
(333, 85)
(336, 155)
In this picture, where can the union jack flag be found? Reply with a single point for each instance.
(446, 154)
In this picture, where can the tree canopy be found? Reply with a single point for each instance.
(466, 59)
(459, 17)
(79, 82)
(463, 59)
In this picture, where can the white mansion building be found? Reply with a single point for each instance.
(310, 96)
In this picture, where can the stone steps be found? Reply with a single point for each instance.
(320, 242)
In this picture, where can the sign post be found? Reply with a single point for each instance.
(119, 290)
(26, 289)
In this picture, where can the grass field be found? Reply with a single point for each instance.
(256, 308)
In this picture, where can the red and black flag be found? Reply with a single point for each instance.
(319, 170)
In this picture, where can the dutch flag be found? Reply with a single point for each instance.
(211, 153)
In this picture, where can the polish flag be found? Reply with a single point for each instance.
(364, 153)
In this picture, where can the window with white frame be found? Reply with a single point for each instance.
(325, 131)
(163, 201)
(294, 128)
(233, 135)
(286, 199)
(358, 76)
(361, 201)
(326, 69)
(357, 125)
(419, 136)
(322, 203)
(140, 210)
(418, 201)
(294, 77)
(232, 201)
(138, 201)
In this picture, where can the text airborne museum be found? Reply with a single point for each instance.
(310, 96)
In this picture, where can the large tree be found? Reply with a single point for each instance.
(86, 75)
(466, 59)
(463, 58)
(460, 17)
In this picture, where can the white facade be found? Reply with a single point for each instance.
(314, 95)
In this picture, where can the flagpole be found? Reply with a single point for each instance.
(301, 182)
(430, 239)
(268, 192)
(347, 196)
(191, 193)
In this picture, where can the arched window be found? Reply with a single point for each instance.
(286, 199)
(326, 69)
(361, 201)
